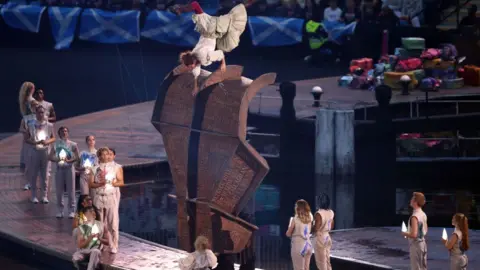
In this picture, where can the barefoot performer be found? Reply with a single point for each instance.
(217, 35)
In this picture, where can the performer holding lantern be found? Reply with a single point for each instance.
(88, 160)
(417, 229)
(102, 180)
(459, 243)
(39, 135)
(27, 108)
(217, 35)
(64, 154)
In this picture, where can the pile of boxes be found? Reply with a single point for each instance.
(427, 69)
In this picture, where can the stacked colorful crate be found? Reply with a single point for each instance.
(440, 65)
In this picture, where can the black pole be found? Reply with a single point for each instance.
(385, 158)
(427, 108)
(288, 121)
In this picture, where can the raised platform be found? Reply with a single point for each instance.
(386, 248)
(129, 131)
(268, 100)
(35, 228)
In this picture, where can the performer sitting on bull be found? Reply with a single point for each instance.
(217, 35)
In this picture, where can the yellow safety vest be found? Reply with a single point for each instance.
(315, 42)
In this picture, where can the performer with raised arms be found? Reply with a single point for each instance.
(217, 35)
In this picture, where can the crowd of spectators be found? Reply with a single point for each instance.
(318, 10)
(379, 11)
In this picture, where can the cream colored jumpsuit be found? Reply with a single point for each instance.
(105, 200)
(418, 246)
(323, 242)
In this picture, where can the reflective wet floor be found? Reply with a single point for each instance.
(147, 211)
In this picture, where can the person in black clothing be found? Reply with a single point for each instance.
(471, 18)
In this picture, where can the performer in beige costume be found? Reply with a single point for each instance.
(323, 224)
(299, 231)
(102, 180)
(65, 173)
(201, 259)
(417, 230)
(88, 160)
(50, 116)
(90, 237)
(27, 108)
(217, 35)
(40, 135)
(119, 168)
(459, 243)
(116, 184)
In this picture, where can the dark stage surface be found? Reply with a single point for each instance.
(386, 246)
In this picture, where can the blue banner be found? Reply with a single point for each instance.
(338, 31)
(110, 27)
(23, 17)
(273, 31)
(64, 22)
(166, 27)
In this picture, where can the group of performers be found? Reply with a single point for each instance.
(303, 225)
(46, 156)
(100, 180)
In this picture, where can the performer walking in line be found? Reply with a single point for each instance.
(417, 229)
(299, 231)
(40, 136)
(217, 35)
(458, 243)
(102, 180)
(64, 155)
(88, 160)
(323, 225)
(27, 108)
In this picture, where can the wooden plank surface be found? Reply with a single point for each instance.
(127, 129)
(35, 227)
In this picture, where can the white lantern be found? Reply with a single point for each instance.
(95, 230)
(404, 227)
(444, 235)
(41, 136)
(62, 156)
(109, 177)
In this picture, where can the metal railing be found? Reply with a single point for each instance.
(457, 147)
(258, 105)
(442, 203)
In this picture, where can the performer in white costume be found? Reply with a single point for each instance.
(458, 243)
(63, 155)
(217, 35)
(88, 160)
(39, 135)
(102, 180)
(27, 107)
(417, 230)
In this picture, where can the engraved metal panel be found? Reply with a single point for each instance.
(233, 185)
